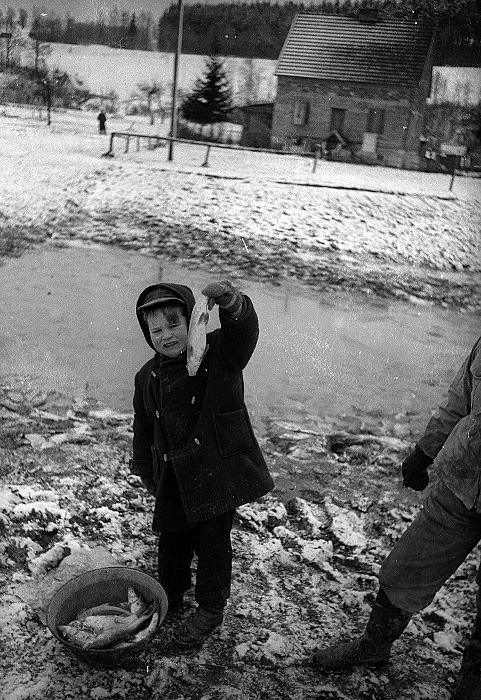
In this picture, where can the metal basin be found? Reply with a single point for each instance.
(98, 586)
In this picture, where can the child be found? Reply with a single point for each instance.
(193, 445)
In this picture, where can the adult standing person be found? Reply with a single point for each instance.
(102, 118)
(446, 530)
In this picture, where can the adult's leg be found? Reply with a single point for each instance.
(468, 685)
(430, 550)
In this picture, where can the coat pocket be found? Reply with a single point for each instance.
(234, 432)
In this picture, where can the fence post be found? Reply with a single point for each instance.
(205, 164)
(138, 143)
(453, 174)
(127, 144)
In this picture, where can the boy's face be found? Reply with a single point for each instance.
(168, 332)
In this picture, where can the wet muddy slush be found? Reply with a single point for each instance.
(71, 327)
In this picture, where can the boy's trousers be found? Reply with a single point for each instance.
(435, 544)
(210, 541)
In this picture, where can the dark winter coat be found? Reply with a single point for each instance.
(453, 435)
(193, 435)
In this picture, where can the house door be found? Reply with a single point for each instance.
(337, 119)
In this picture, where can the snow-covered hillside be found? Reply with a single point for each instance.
(102, 68)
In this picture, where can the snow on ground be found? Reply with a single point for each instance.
(398, 232)
(102, 69)
(305, 567)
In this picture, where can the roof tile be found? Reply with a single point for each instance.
(330, 47)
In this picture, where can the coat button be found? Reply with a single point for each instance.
(157, 414)
(197, 441)
(153, 373)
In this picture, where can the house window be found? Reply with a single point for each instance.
(301, 112)
(375, 121)
(337, 119)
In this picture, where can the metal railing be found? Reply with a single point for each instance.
(156, 140)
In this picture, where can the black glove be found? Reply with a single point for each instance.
(225, 295)
(415, 469)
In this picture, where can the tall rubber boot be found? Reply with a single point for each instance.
(468, 685)
(373, 647)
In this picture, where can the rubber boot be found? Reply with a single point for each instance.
(468, 684)
(176, 607)
(373, 648)
(198, 626)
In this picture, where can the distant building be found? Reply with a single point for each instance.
(257, 124)
(358, 86)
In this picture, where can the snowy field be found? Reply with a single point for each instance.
(72, 140)
(305, 570)
(102, 68)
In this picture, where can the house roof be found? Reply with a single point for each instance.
(330, 47)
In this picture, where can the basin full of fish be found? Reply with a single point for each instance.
(109, 626)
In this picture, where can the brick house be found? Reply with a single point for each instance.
(356, 85)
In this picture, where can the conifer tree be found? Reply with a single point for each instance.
(211, 99)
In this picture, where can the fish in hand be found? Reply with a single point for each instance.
(197, 335)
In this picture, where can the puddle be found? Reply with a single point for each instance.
(67, 319)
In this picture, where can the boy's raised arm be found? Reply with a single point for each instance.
(239, 323)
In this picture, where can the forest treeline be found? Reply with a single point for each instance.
(251, 30)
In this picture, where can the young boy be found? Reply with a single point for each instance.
(193, 445)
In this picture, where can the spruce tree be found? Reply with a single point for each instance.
(211, 99)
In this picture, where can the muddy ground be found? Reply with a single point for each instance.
(306, 557)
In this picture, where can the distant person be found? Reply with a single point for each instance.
(102, 117)
(193, 445)
(439, 539)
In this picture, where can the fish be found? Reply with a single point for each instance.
(104, 609)
(143, 634)
(121, 632)
(197, 335)
(105, 625)
(137, 604)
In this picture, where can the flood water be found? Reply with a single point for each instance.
(68, 321)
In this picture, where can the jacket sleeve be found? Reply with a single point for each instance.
(238, 337)
(460, 403)
(141, 462)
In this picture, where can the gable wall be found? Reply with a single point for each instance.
(357, 99)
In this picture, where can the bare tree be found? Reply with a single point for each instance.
(149, 91)
(40, 48)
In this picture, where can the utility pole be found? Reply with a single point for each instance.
(173, 117)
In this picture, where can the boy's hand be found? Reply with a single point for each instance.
(148, 484)
(415, 470)
(225, 295)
